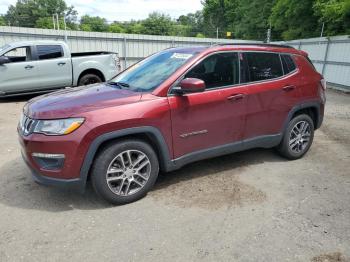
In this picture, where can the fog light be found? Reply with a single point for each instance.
(49, 161)
(43, 155)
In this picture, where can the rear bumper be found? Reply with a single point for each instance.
(320, 114)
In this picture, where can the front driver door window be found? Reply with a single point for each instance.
(20, 54)
(209, 119)
(218, 70)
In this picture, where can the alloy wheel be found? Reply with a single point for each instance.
(128, 172)
(300, 137)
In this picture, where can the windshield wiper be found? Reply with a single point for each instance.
(119, 84)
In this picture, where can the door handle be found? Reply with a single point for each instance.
(288, 88)
(61, 63)
(236, 97)
(29, 67)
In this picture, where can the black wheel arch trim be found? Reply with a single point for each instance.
(306, 105)
(157, 137)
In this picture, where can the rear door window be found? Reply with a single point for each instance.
(263, 66)
(288, 64)
(49, 51)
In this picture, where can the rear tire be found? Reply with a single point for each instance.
(297, 138)
(125, 171)
(89, 79)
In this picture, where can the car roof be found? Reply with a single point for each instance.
(257, 44)
(256, 47)
(262, 47)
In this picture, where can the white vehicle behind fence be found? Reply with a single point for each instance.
(42, 66)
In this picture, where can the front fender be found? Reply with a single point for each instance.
(157, 136)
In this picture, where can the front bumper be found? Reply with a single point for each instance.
(65, 173)
(74, 184)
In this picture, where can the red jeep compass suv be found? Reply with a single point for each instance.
(175, 107)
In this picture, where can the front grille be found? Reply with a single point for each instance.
(27, 125)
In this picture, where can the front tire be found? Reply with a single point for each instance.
(297, 138)
(125, 171)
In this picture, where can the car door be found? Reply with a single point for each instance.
(20, 74)
(214, 117)
(271, 91)
(54, 67)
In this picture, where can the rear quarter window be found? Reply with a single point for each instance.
(288, 64)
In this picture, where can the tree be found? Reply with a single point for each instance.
(93, 23)
(133, 27)
(200, 35)
(335, 14)
(2, 21)
(26, 13)
(294, 19)
(192, 23)
(158, 24)
(250, 19)
(290, 19)
(216, 15)
(116, 27)
(47, 22)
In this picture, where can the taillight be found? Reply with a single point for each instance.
(323, 84)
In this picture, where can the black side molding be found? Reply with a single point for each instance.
(267, 141)
(311, 104)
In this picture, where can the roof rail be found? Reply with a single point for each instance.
(256, 44)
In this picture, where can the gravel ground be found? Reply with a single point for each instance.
(250, 206)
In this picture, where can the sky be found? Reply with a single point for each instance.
(125, 10)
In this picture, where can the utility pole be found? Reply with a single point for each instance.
(65, 28)
(322, 29)
(53, 21)
(268, 37)
(58, 23)
(217, 33)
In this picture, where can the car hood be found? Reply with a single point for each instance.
(77, 100)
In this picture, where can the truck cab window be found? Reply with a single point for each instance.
(49, 51)
(19, 54)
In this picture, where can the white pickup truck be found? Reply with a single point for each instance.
(42, 66)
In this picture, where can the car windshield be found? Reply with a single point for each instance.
(148, 74)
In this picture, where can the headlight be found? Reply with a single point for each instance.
(58, 127)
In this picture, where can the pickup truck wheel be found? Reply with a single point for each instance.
(89, 79)
(297, 138)
(125, 171)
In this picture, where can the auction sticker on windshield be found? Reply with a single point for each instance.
(181, 56)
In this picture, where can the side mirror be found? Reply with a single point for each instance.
(4, 60)
(190, 85)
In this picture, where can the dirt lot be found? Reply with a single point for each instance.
(250, 206)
